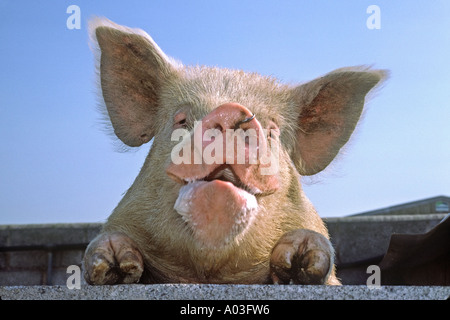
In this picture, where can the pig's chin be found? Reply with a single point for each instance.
(217, 211)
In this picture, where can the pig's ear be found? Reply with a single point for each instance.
(132, 69)
(327, 111)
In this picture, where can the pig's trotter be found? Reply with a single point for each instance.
(112, 258)
(301, 257)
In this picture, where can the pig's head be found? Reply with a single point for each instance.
(229, 146)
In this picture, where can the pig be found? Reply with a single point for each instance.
(187, 219)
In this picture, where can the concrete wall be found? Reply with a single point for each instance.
(40, 254)
(196, 294)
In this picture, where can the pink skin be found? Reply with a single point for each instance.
(215, 205)
(215, 209)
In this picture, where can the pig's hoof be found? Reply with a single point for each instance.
(112, 258)
(301, 257)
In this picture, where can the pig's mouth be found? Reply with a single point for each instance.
(219, 208)
(226, 173)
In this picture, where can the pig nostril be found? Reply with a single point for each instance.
(244, 121)
(218, 127)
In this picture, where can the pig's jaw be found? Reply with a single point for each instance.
(217, 211)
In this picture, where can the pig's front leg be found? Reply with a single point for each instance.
(112, 258)
(301, 257)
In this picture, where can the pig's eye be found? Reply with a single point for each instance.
(180, 121)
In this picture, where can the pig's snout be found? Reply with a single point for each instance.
(240, 134)
(231, 116)
(229, 136)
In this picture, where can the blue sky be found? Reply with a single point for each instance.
(58, 165)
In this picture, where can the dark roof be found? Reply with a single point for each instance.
(439, 204)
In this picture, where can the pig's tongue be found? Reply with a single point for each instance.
(217, 211)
